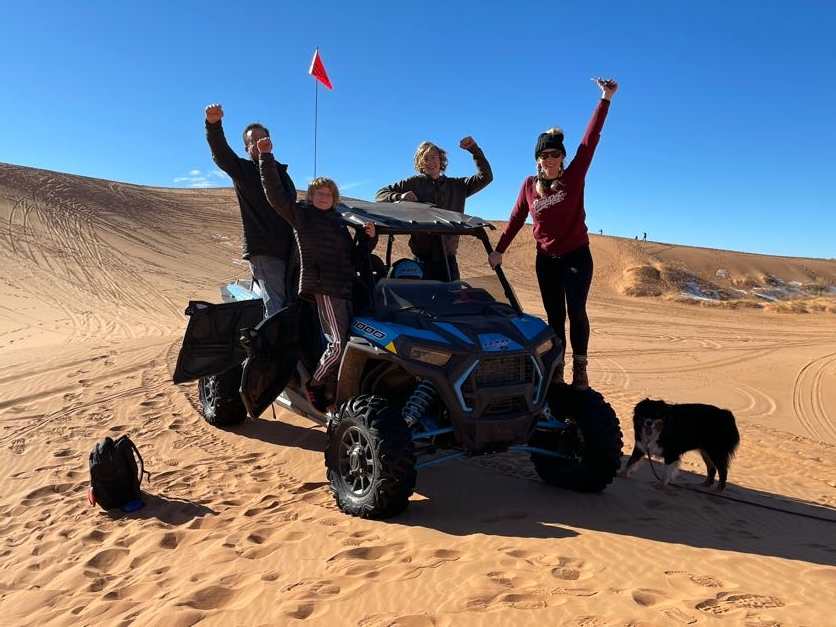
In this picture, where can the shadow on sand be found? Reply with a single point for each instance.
(281, 433)
(462, 498)
(473, 496)
(168, 510)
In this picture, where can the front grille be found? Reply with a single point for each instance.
(498, 371)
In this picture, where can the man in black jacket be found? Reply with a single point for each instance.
(268, 243)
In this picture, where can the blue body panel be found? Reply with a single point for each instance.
(381, 333)
(529, 326)
(452, 329)
(497, 343)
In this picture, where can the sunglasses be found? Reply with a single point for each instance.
(551, 154)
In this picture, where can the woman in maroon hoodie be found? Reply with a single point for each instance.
(554, 199)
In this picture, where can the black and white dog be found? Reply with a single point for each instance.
(669, 430)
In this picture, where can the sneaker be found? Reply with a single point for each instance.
(316, 397)
(580, 379)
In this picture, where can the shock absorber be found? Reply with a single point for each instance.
(419, 402)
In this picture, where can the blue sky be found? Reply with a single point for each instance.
(721, 135)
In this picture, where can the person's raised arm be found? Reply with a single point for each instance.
(518, 215)
(223, 156)
(583, 158)
(274, 187)
(395, 192)
(484, 174)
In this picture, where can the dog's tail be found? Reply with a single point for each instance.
(731, 436)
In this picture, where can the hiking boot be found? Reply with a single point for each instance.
(580, 380)
(316, 397)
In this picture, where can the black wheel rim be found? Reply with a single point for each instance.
(357, 463)
(571, 443)
(210, 395)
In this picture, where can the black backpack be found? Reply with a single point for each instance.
(114, 475)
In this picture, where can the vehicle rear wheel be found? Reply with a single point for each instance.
(220, 399)
(370, 458)
(590, 445)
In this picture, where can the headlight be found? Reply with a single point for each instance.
(428, 355)
(545, 347)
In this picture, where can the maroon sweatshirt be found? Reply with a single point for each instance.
(559, 216)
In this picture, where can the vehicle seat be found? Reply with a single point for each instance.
(406, 269)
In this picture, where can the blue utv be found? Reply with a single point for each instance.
(433, 370)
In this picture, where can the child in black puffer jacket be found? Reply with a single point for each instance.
(328, 258)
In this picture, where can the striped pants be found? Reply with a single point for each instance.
(335, 318)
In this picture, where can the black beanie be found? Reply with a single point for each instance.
(549, 141)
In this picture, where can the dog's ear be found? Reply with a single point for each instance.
(640, 409)
(657, 409)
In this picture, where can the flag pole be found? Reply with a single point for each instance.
(316, 116)
(316, 112)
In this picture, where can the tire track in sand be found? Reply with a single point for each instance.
(756, 400)
(808, 398)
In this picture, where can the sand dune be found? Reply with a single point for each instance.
(239, 527)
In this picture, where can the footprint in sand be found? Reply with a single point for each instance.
(564, 568)
(272, 504)
(706, 581)
(726, 602)
(392, 620)
(45, 492)
(97, 585)
(302, 597)
(308, 487)
(300, 611)
(355, 539)
(367, 553)
(210, 598)
(293, 536)
(679, 616)
(570, 570)
(94, 537)
(170, 540)
(259, 536)
(647, 597)
(389, 562)
(107, 559)
(332, 522)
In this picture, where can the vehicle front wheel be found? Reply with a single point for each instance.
(370, 458)
(590, 445)
(220, 399)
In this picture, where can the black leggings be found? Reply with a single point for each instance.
(564, 284)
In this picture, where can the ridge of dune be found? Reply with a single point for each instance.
(239, 527)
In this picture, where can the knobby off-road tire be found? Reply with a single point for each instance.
(220, 399)
(593, 442)
(370, 458)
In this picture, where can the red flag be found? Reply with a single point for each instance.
(318, 70)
